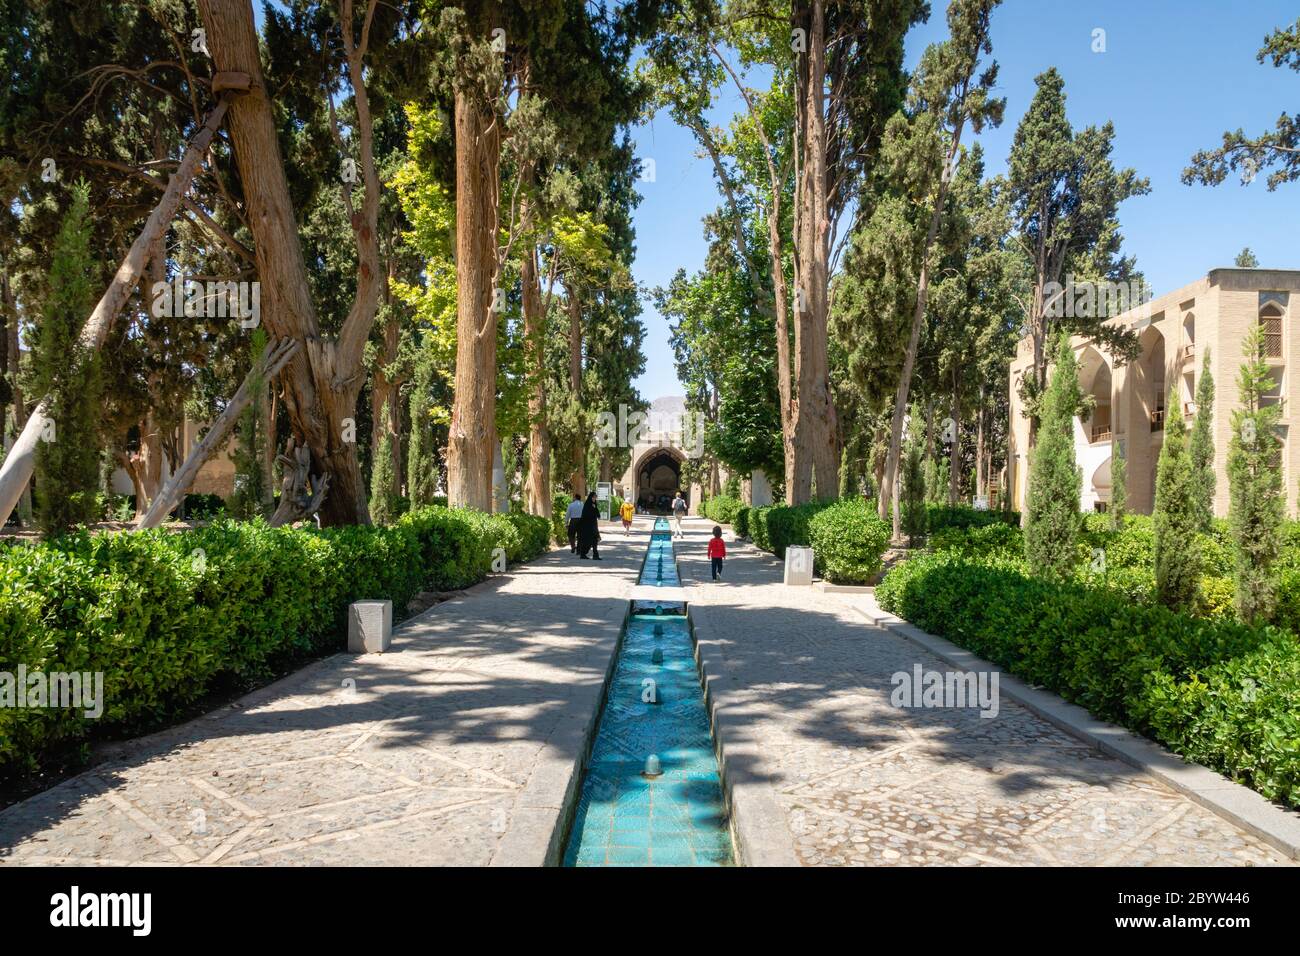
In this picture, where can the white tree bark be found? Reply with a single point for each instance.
(275, 358)
(20, 463)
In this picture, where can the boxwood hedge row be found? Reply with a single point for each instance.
(1218, 692)
(168, 617)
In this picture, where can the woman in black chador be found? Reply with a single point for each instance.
(589, 529)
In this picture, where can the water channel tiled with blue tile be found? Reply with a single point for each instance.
(627, 814)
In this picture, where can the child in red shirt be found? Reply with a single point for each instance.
(717, 551)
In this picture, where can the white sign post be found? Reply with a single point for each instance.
(604, 491)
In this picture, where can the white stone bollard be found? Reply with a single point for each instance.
(798, 565)
(370, 627)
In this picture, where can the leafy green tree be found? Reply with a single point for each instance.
(1252, 154)
(1246, 259)
(1118, 486)
(67, 461)
(385, 496)
(948, 92)
(1052, 518)
(1202, 448)
(1256, 506)
(1175, 520)
(1065, 192)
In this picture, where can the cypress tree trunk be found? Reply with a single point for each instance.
(472, 436)
(816, 450)
(537, 495)
(578, 453)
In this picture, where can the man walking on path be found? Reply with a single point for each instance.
(625, 511)
(679, 512)
(571, 516)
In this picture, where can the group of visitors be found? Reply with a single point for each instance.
(582, 521)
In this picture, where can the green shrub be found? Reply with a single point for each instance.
(1177, 678)
(941, 517)
(168, 617)
(758, 527)
(977, 541)
(741, 525)
(775, 527)
(848, 540)
(722, 509)
(534, 534)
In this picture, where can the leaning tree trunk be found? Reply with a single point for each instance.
(20, 408)
(324, 378)
(20, 463)
(8, 316)
(270, 362)
(472, 435)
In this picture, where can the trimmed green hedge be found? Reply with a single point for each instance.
(1215, 691)
(168, 617)
(722, 509)
(741, 523)
(848, 540)
(776, 527)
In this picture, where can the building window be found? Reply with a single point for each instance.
(1272, 310)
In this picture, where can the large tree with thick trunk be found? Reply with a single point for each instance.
(323, 379)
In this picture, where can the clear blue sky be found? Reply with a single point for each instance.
(1175, 75)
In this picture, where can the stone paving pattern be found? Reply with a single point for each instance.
(461, 737)
(805, 680)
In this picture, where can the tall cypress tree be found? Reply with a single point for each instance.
(1202, 447)
(68, 374)
(1175, 518)
(1052, 518)
(421, 465)
(1255, 484)
(913, 517)
(385, 505)
(1118, 486)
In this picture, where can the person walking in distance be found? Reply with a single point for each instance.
(717, 551)
(679, 512)
(625, 511)
(571, 516)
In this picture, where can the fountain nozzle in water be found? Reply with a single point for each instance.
(652, 768)
(658, 656)
(659, 630)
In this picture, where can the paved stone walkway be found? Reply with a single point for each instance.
(803, 683)
(458, 746)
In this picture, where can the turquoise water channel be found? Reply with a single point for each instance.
(632, 812)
